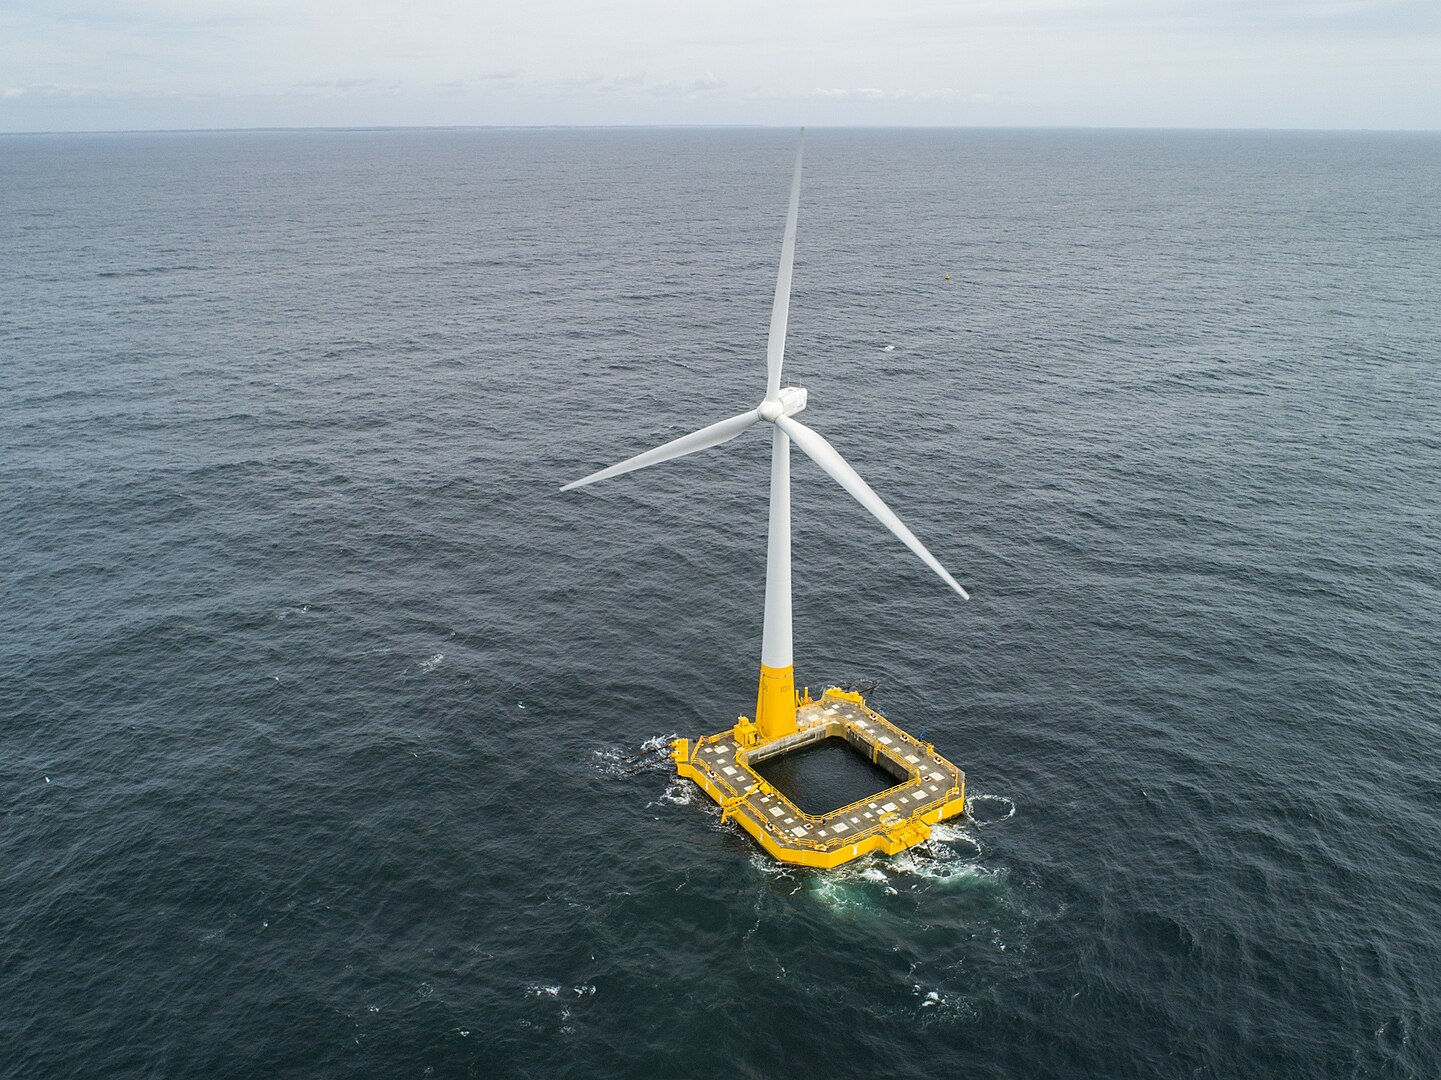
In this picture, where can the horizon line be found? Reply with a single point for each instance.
(721, 126)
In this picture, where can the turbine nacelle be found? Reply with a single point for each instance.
(790, 400)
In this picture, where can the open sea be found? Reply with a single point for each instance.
(318, 699)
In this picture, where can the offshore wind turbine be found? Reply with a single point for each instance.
(776, 699)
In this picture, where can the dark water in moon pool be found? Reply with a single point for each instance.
(315, 692)
(826, 776)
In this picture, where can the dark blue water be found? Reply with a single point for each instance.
(314, 692)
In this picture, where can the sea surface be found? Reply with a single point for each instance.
(324, 715)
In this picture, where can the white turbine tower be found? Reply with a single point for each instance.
(776, 699)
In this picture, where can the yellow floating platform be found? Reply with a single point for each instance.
(900, 817)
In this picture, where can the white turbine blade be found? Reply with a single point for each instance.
(706, 437)
(780, 309)
(825, 455)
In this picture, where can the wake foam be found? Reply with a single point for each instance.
(983, 809)
(678, 792)
(619, 762)
(942, 1003)
(950, 859)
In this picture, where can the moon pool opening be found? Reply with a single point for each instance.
(825, 776)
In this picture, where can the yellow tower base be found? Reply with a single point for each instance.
(900, 817)
(776, 703)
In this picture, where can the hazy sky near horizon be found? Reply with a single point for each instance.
(140, 64)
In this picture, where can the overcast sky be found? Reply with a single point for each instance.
(126, 64)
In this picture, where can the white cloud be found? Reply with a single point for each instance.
(871, 93)
(52, 92)
(99, 63)
(341, 87)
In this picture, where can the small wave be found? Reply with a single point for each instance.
(949, 859)
(943, 868)
(431, 664)
(565, 995)
(146, 271)
(842, 893)
(609, 762)
(957, 840)
(773, 869)
(985, 809)
(652, 756)
(678, 793)
(941, 1003)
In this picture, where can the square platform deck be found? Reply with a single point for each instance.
(890, 821)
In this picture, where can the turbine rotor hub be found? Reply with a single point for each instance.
(788, 401)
